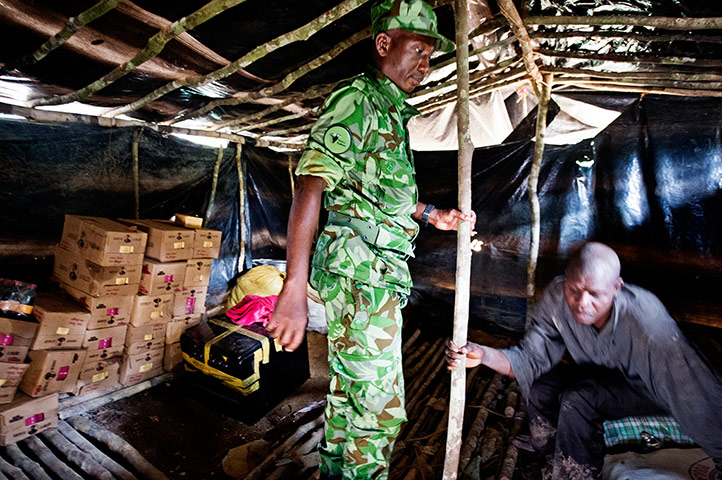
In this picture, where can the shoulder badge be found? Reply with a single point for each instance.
(337, 138)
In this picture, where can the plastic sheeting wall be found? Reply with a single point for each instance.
(650, 185)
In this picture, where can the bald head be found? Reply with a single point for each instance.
(592, 281)
(594, 259)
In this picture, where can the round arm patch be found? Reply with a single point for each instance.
(337, 139)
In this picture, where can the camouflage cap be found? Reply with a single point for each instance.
(411, 15)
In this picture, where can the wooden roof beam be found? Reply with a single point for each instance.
(300, 34)
(522, 35)
(155, 45)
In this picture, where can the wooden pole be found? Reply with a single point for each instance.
(136, 171)
(463, 250)
(214, 185)
(241, 208)
(541, 128)
(511, 14)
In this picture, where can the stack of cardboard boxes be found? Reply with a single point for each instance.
(134, 286)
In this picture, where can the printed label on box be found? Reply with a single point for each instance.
(100, 376)
(63, 373)
(146, 367)
(37, 418)
(105, 343)
(125, 249)
(111, 311)
(6, 339)
(178, 245)
(62, 331)
(150, 336)
(190, 305)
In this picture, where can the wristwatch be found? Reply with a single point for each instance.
(425, 215)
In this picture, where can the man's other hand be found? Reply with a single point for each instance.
(289, 319)
(472, 351)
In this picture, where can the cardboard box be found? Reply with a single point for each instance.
(140, 367)
(27, 416)
(103, 241)
(145, 338)
(94, 279)
(7, 393)
(207, 243)
(172, 356)
(161, 278)
(13, 354)
(178, 325)
(188, 221)
(198, 272)
(62, 324)
(189, 301)
(104, 311)
(166, 242)
(151, 309)
(18, 333)
(52, 371)
(105, 343)
(96, 376)
(12, 373)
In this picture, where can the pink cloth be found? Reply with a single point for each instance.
(252, 309)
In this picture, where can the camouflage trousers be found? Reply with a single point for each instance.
(365, 405)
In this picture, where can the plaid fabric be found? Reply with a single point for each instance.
(650, 431)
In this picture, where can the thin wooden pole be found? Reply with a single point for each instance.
(511, 14)
(136, 171)
(214, 185)
(463, 250)
(241, 208)
(541, 128)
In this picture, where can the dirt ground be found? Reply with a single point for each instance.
(187, 439)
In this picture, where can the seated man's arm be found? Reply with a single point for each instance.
(478, 355)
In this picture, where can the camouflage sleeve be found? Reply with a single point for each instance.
(338, 136)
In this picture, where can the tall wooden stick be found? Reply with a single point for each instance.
(520, 32)
(136, 171)
(541, 128)
(463, 251)
(241, 207)
(214, 185)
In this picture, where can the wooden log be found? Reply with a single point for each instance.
(117, 445)
(508, 464)
(652, 91)
(10, 471)
(697, 76)
(261, 470)
(300, 34)
(701, 86)
(541, 128)
(418, 359)
(410, 342)
(154, 46)
(49, 460)
(115, 468)
(33, 469)
(77, 457)
(638, 36)
(214, 186)
(472, 438)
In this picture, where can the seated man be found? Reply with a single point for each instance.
(630, 359)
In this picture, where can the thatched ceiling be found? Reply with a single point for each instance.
(254, 71)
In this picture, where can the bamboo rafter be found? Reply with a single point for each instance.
(155, 45)
(74, 24)
(634, 59)
(667, 23)
(475, 77)
(315, 92)
(651, 75)
(34, 114)
(283, 84)
(278, 120)
(300, 34)
(522, 35)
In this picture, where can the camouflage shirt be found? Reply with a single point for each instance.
(360, 146)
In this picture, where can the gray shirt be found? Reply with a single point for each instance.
(642, 341)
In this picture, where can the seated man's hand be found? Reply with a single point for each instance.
(473, 352)
(289, 319)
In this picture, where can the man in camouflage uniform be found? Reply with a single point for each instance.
(358, 153)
